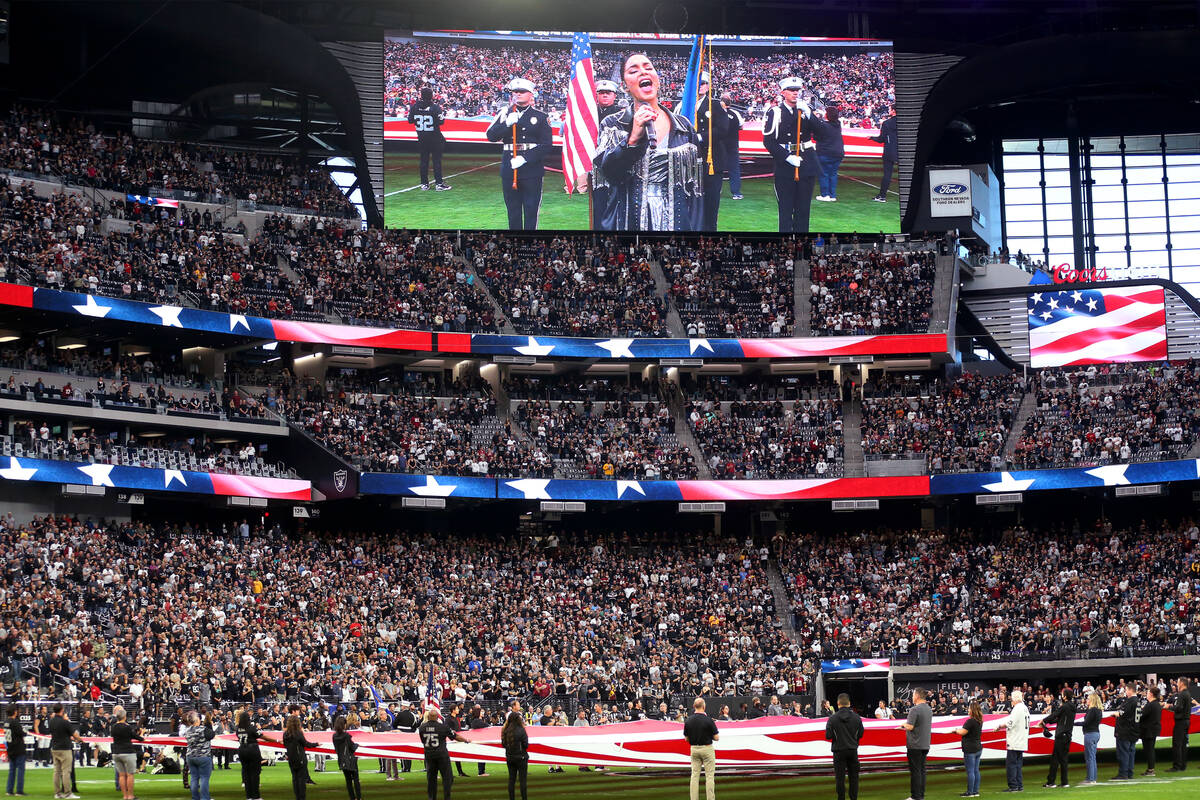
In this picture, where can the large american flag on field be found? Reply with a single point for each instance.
(581, 123)
(1097, 326)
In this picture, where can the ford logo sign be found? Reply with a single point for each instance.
(949, 189)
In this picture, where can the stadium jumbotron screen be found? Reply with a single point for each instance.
(525, 130)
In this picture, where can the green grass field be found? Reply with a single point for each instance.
(475, 202)
(97, 784)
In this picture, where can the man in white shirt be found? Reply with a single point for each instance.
(1016, 740)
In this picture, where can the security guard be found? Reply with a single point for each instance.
(524, 133)
(606, 99)
(724, 125)
(787, 135)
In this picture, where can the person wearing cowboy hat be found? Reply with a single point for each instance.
(524, 134)
(788, 137)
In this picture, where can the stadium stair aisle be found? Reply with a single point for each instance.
(943, 289)
(852, 465)
(662, 288)
(1024, 412)
(802, 294)
(501, 314)
(783, 603)
(674, 399)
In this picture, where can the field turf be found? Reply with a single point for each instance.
(648, 784)
(475, 202)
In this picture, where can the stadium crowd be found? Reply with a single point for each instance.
(871, 292)
(571, 286)
(758, 440)
(1111, 414)
(726, 287)
(192, 613)
(62, 147)
(1019, 590)
(468, 79)
(958, 425)
(623, 440)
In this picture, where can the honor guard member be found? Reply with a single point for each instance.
(525, 136)
(606, 99)
(406, 721)
(606, 105)
(788, 137)
(723, 126)
(427, 117)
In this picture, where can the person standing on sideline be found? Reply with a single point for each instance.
(427, 117)
(972, 747)
(123, 753)
(1091, 735)
(1016, 742)
(475, 723)
(525, 135)
(919, 726)
(733, 148)
(515, 739)
(1127, 733)
(406, 721)
(345, 746)
(388, 766)
(434, 735)
(891, 153)
(14, 748)
(199, 734)
(700, 732)
(788, 137)
(1062, 722)
(62, 735)
(1151, 727)
(831, 149)
(844, 730)
(249, 755)
(294, 745)
(1181, 710)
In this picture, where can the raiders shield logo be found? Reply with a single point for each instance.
(339, 480)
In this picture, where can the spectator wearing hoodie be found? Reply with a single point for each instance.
(844, 730)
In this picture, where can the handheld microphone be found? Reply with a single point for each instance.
(651, 134)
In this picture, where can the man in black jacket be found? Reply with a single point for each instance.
(1127, 733)
(524, 133)
(1181, 710)
(714, 125)
(891, 153)
(427, 117)
(788, 137)
(1062, 722)
(1151, 726)
(844, 730)
(406, 721)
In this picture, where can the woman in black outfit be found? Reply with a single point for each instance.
(294, 744)
(249, 756)
(345, 747)
(516, 752)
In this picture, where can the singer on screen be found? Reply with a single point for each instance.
(649, 159)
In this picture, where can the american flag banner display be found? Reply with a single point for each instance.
(431, 696)
(1097, 326)
(764, 742)
(857, 665)
(581, 123)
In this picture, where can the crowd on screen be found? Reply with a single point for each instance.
(468, 80)
(1020, 589)
(57, 147)
(191, 612)
(1096, 415)
(958, 425)
(871, 292)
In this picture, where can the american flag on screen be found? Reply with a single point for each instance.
(581, 123)
(1097, 326)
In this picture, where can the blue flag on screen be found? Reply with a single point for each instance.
(691, 85)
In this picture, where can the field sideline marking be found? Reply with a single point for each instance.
(455, 175)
